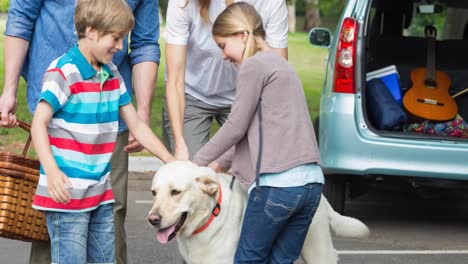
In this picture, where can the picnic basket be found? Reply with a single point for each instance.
(18, 180)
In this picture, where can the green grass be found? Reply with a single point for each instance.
(309, 62)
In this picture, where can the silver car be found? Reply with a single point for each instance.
(393, 105)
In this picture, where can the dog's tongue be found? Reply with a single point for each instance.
(163, 235)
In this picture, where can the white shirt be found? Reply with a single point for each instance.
(207, 76)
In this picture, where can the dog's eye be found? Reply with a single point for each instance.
(175, 192)
(154, 193)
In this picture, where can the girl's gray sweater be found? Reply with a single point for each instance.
(288, 134)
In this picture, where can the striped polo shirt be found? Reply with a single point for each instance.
(83, 129)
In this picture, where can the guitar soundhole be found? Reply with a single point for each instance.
(430, 83)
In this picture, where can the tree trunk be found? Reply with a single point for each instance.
(292, 18)
(312, 14)
(291, 4)
(163, 9)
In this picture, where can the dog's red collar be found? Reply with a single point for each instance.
(214, 213)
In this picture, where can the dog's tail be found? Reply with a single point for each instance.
(345, 226)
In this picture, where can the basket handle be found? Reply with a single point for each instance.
(27, 128)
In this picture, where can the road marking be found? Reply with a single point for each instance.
(143, 201)
(377, 252)
(402, 252)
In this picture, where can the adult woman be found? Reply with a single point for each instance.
(200, 85)
(269, 115)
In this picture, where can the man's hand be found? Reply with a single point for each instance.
(133, 145)
(8, 105)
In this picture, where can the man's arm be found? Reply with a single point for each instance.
(144, 58)
(15, 50)
(145, 75)
(20, 25)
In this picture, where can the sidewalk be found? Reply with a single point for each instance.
(143, 164)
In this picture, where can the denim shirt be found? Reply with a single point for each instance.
(49, 27)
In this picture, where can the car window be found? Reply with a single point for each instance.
(450, 23)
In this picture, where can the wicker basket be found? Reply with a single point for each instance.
(18, 180)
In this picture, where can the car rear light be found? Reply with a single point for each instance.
(345, 57)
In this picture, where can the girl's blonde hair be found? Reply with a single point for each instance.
(105, 16)
(239, 18)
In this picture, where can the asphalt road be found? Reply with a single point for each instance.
(405, 229)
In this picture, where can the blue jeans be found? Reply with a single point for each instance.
(276, 222)
(82, 237)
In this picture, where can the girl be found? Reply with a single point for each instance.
(276, 154)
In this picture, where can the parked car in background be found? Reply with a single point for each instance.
(410, 129)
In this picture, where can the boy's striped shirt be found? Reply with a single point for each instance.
(83, 129)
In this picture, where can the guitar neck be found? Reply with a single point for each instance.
(431, 62)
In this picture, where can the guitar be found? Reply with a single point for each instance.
(429, 98)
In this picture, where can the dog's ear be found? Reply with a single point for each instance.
(207, 184)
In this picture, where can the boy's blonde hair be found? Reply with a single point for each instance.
(239, 18)
(105, 16)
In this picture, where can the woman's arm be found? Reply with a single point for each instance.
(282, 51)
(175, 96)
(276, 27)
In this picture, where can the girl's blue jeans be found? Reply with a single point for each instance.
(82, 237)
(276, 222)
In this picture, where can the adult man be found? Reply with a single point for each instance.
(37, 32)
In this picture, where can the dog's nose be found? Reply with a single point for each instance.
(154, 219)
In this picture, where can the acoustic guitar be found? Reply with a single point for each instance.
(429, 98)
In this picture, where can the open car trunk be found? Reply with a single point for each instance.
(397, 37)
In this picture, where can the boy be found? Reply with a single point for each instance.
(74, 131)
(39, 31)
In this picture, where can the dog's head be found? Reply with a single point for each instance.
(183, 197)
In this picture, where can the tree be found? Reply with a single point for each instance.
(4, 6)
(163, 9)
(291, 4)
(312, 14)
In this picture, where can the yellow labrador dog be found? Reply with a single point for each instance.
(204, 210)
